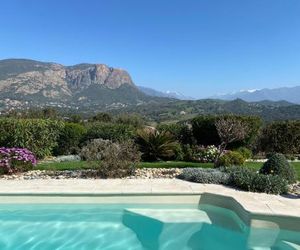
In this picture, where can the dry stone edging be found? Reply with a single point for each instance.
(149, 173)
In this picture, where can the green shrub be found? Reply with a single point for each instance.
(178, 153)
(241, 177)
(283, 137)
(94, 149)
(231, 158)
(278, 165)
(156, 145)
(119, 160)
(69, 139)
(205, 175)
(35, 113)
(290, 157)
(270, 184)
(75, 118)
(109, 131)
(248, 180)
(188, 152)
(101, 117)
(205, 132)
(113, 159)
(131, 120)
(245, 152)
(270, 154)
(37, 135)
(181, 132)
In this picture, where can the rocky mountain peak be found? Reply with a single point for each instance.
(52, 80)
(81, 76)
(27, 83)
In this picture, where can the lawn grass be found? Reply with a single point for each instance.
(76, 165)
(175, 164)
(71, 165)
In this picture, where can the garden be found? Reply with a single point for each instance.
(243, 152)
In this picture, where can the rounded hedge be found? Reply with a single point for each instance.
(231, 158)
(245, 152)
(278, 165)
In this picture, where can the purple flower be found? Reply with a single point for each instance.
(10, 158)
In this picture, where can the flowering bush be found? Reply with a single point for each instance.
(16, 160)
(206, 154)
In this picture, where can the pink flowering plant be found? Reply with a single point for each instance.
(14, 160)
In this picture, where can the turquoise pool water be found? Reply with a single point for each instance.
(133, 227)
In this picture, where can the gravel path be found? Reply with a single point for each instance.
(149, 173)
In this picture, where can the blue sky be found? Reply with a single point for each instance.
(197, 47)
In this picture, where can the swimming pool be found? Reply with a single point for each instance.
(135, 226)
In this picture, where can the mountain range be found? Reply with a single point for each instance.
(34, 83)
(289, 94)
(91, 88)
(282, 95)
(167, 94)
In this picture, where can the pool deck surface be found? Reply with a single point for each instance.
(252, 202)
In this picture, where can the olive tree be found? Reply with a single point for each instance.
(230, 129)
